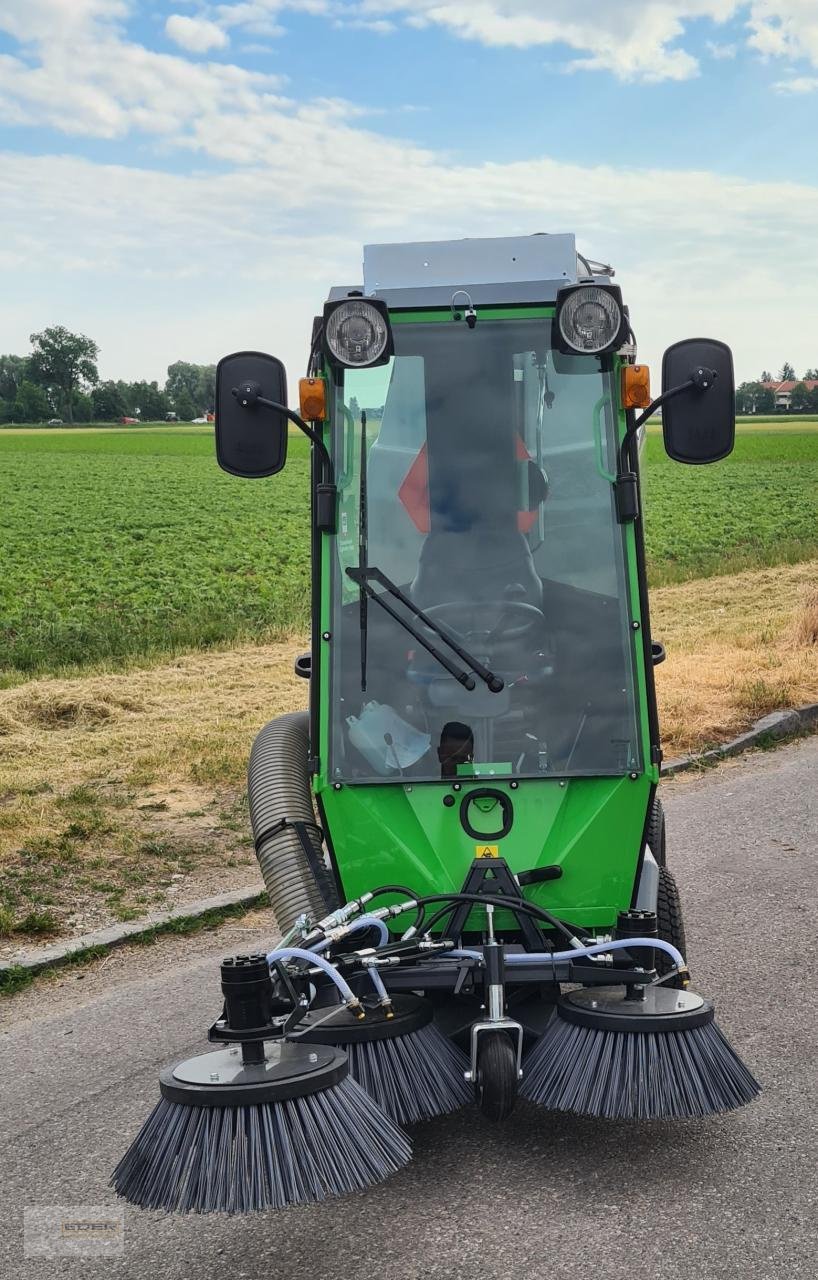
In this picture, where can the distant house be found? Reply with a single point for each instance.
(782, 391)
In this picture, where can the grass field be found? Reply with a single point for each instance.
(757, 508)
(120, 545)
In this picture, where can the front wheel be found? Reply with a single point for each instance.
(669, 920)
(497, 1080)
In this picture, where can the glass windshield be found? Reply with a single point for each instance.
(476, 506)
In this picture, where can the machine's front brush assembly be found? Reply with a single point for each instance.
(327, 1049)
(259, 1125)
(644, 1054)
(403, 1061)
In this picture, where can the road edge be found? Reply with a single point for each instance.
(207, 911)
(769, 729)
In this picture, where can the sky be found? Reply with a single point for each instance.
(181, 178)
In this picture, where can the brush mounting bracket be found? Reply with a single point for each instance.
(491, 876)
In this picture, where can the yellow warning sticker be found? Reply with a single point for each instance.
(487, 850)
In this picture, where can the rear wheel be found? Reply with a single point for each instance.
(669, 919)
(497, 1080)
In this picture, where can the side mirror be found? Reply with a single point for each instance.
(698, 419)
(251, 437)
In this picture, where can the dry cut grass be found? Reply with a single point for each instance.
(124, 793)
(738, 648)
(119, 793)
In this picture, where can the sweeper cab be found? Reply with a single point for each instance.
(466, 821)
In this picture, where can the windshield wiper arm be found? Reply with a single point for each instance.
(363, 576)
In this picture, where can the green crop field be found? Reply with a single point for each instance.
(116, 545)
(119, 544)
(759, 507)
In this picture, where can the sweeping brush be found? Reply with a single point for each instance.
(662, 1056)
(233, 1137)
(260, 1124)
(404, 1062)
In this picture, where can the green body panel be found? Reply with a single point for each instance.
(394, 832)
(590, 827)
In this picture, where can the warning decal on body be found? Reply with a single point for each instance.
(487, 850)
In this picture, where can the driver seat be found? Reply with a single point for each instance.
(476, 568)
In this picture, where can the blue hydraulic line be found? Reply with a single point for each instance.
(599, 948)
(310, 957)
(377, 982)
(362, 923)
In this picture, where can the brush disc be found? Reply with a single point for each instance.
(340, 1027)
(660, 1058)
(226, 1137)
(222, 1079)
(609, 1009)
(404, 1063)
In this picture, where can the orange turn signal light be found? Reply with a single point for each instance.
(635, 386)
(312, 399)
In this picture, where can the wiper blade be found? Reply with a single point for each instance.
(363, 576)
(368, 592)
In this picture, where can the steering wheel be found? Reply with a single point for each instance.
(467, 613)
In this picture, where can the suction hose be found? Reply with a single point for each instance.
(279, 793)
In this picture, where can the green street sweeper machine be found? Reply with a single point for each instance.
(461, 839)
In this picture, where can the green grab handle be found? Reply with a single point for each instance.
(600, 464)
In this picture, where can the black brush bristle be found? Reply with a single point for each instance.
(627, 1075)
(412, 1077)
(242, 1159)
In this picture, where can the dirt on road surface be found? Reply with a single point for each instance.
(543, 1195)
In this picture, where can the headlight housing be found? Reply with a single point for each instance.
(590, 319)
(357, 333)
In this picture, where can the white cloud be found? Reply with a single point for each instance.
(720, 52)
(159, 265)
(797, 85)
(785, 28)
(89, 80)
(197, 35)
(642, 40)
(635, 41)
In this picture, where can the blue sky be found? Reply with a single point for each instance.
(182, 178)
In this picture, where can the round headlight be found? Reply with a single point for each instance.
(589, 320)
(356, 333)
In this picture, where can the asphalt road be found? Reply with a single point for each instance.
(542, 1196)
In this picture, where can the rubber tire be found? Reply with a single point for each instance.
(656, 835)
(497, 1081)
(669, 919)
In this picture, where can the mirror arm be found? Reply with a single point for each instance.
(308, 432)
(660, 400)
(326, 495)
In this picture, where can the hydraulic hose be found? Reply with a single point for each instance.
(377, 982)
(618, 944)
(310, 957)
(509, 904)
(363, 922)
(599, 948)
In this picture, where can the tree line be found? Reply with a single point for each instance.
(754, 397)
(60, 379)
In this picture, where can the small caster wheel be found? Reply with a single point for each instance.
(497, 1082)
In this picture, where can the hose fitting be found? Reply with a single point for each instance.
(356, 1008)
